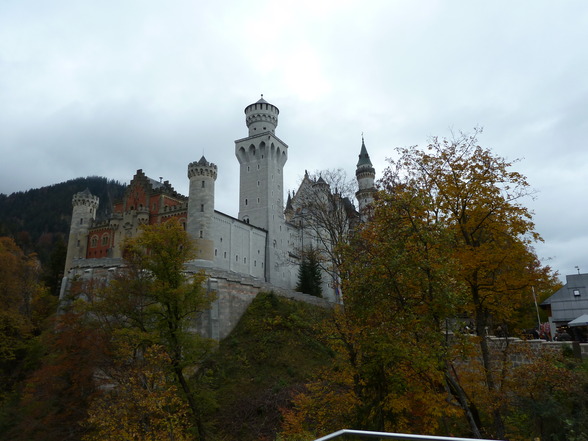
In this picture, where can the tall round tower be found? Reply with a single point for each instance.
(85, 206)
(202, 175)
(262, 156)
(365, 174)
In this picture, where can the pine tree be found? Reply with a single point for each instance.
(309, 274)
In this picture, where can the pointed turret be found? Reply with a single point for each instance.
(365, 174)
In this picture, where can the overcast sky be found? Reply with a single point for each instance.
(103, 88)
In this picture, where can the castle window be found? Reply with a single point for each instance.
(258, 183)
(245, 201)
(215, 252)
(105, 239)
(258, 164)
(255, 263)
(203, 184)
(244, 259)
(201, 207)
(236, 257)
(81, 221)
(225, 256)
(258, 200)
(248, 168)
(94, 242)
(200, 234)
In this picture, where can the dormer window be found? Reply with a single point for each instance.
(576, 293)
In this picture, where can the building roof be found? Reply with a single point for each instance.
(364, 157)
(571, 300)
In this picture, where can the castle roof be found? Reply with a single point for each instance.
(86, 192)
(155, 184)
(203, 161)
(364, 157)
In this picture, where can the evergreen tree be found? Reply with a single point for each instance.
(309, 273)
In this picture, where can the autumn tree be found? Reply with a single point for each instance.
(56, 396)
(449, 238)
(478, 198)
(139, 400)
(154, 301)
(25, 307)
(388, 373)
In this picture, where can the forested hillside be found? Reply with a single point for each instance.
(35, 217)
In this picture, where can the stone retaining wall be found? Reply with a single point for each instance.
(234, 292)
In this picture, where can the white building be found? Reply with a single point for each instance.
(263, 242)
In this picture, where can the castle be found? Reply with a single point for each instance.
(262, 244)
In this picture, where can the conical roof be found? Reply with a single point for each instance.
(364, 157)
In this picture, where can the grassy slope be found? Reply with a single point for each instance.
(270, 355)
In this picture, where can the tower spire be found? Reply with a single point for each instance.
(364, 157)
(365, 174)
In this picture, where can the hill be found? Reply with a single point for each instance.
(273, 351)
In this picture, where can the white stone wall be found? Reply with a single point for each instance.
(238, 247)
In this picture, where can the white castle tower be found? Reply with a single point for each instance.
(83, 215)
(262, 156)
(365, 174)
(202, 175)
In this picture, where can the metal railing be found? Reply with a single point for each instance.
(393, 436)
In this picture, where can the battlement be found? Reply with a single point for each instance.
(202, 168)
(261, 117)
(85, 198)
